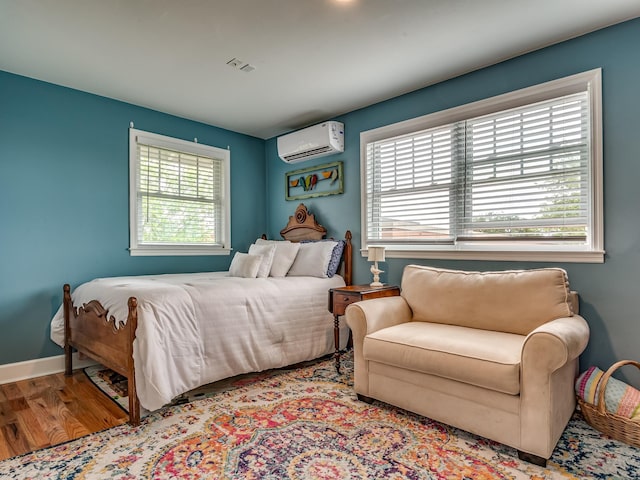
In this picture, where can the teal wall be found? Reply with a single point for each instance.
(610, 291)
(64, 200)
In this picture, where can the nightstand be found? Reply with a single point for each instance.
(340, 297)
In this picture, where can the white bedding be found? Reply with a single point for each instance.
(197, 328)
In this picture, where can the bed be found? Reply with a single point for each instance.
(168, 334)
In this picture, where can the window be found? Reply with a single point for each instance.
(179, 197)
(513, 177)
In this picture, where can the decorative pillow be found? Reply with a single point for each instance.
(284, 256)
(245, 265)
(336, 255)
(267, 252)
(313, 259)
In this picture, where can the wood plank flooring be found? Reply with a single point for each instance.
(45, 411)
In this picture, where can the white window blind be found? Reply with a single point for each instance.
(526, 173)
(517, 178)
(180, 196)
(410, 187)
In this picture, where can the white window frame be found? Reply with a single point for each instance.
(593, 252)
(137, 248)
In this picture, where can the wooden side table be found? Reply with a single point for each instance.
(340, 297)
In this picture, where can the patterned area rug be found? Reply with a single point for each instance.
(306, 424)
(114, 385)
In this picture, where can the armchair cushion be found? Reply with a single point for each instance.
(478, 357)
(526, 298)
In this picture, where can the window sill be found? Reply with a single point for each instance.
(173, 250)
(560, 256)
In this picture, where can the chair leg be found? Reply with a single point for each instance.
(531, 458)
(365, 399)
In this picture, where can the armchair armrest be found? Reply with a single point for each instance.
(549, 366)
(369, 316)
(366, 317)
(555, 343)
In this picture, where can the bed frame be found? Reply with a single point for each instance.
(93, 332)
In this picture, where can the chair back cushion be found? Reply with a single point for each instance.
(511, 301)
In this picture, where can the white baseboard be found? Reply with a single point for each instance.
(13, 372)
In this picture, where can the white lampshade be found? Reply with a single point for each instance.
(376, 254)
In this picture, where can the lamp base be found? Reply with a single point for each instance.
(376, 276)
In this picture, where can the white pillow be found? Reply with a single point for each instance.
(312, 259)
(267, 252)
(285, 254)
(245, 265)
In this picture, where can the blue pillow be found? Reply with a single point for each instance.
(336, 255)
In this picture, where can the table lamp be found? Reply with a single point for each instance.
(376, 254)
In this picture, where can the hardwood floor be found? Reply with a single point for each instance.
(45, 411)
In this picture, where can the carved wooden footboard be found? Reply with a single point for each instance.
(90, 330)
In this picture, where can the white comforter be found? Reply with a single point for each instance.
(197, 328)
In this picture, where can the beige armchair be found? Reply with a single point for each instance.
(493, 353)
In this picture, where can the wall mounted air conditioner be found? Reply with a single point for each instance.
(317, 141)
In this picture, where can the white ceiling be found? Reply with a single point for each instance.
(313, 59)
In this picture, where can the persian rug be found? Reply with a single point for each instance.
(307, 424)
(115, 385)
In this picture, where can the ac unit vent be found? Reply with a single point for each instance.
(308, 153)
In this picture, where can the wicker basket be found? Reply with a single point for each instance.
(617, 427)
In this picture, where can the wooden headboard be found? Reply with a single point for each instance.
(303, 226)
